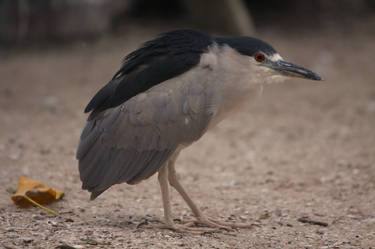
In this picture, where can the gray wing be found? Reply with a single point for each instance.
(131, 142)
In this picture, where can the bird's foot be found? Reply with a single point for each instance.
(213, 223)
(201, 225)
(185, 228)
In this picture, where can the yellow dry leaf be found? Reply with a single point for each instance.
(30, 191)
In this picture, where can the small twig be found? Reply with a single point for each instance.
(312, 222)
(38, 205)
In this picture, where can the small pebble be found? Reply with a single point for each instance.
(13, 235)
(37, 217)
(15, 155)
(27, 239)
(53, 223)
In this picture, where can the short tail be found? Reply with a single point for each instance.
(95, 194)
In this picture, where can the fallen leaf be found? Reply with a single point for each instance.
(32, 192)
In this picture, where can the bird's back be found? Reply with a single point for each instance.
(169, 55)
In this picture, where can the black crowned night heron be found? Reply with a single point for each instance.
(165, 96)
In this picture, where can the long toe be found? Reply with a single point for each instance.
(185, 228)
(203, 221)
(214, 223)
(230, 224)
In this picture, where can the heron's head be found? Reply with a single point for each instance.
(265, 62)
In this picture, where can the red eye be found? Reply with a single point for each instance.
(259, 57)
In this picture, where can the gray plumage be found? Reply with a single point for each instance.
(130, 142)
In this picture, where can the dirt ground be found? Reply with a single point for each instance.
(301, 149)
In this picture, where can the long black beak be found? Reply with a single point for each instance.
(292, 70)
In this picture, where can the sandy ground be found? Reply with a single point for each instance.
(301, 149)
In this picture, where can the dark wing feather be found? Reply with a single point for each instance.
(168, 56)
(105, 160)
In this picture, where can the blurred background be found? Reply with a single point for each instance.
(302, 148)
(32, 22)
